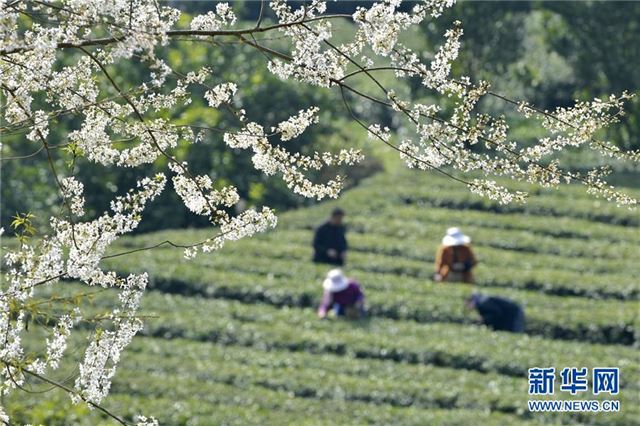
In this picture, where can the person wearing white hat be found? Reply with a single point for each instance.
(455, 259)
(341, 294)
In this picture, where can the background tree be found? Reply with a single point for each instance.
(601, 45)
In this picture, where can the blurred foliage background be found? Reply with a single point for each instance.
(549, 53)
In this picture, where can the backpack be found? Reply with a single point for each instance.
(460, 266)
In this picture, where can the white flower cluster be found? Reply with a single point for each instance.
(220, 94)
(58, 342)
(198, 194)
(102, 356)
(74, 250)
(211, 21)
(490, 189)
(244, 225)
(442, 140)
(382, 23)
(73, 86)
(40, 129)
(297, 124)
(272, 159)
(436, 7)
(146, 421)
(375, 131)
(596, 186)
(577, 125)
(73, 193)
(311, 60)
(103, 124)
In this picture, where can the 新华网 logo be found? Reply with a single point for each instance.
(574, 381)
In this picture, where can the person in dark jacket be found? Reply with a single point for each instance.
(329, 241)
(498, 313)
(342, 295)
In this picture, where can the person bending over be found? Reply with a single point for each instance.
(498, 313)
(342, 295)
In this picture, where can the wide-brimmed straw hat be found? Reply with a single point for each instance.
(455, 237)
(335, 281)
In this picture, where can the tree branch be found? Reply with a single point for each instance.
(68, 390)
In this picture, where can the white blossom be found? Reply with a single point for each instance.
(211, 21)
(296, 125)
(220, 94)
(490, 189)
(58, 343)
(145, 421)
(72, 191)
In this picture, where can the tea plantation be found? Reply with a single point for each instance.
(232, 338)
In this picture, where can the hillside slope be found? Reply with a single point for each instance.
(233, 337)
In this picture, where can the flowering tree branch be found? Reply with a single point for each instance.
(60, 60)
(9, 366)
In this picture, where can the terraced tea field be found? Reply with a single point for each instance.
(232, 337)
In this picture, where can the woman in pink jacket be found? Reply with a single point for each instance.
(343, 295)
